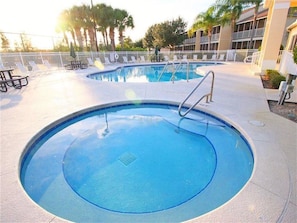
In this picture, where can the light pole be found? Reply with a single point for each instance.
(95, 32)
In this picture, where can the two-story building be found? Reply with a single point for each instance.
(223, 38)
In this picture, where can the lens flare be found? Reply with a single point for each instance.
(99, 65)
(131, 95)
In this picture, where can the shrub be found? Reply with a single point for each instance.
(272, 73)
(275, 80)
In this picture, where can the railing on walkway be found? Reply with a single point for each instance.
(208, 96)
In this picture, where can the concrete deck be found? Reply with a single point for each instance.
(239, 98)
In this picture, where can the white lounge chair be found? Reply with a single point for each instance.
(90, 62)
(214, 57)
(107, 61)
(21, 68)
(175, 58)
(142, 59)
(34, 66)
(133, 59)
(222, 57)
(125, 59)
(195, 57)
(185, 58)
(166, 58)
(204, 57)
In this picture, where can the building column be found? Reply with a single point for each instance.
(276, 22)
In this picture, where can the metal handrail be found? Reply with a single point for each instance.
(208, 96)
(178, 67)
(166, 65)
(175, 69)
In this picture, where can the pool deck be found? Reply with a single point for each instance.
(239, 98)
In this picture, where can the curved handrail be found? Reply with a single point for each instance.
(207, 96)
(175, 69)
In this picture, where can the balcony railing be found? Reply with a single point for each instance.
(248, 33)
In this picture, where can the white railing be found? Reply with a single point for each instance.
(60, 59)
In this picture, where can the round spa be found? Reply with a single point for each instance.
(126, 162)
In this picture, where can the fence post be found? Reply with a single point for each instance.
(61, 59)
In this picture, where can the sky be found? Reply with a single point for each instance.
(40, 16)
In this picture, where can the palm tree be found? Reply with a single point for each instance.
(257, 6)
(123, 21)
(229, 11)
(64, 26)
(102, 14)
(206, 21)
(76, 21)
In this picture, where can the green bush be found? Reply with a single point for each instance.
(275, 81)
(272, 73)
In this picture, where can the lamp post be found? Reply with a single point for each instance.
(95, 32)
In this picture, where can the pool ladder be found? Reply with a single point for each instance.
(175, 69)
(208, 96)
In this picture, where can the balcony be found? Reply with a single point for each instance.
(246, 34)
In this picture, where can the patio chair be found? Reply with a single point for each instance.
(175, 58)
(107, 61)
(90, 62)
(35, 68)
(185, 58)
(133, 59)
(222, 57)
(214, 57)
(204, 57)
(195, 57)
(125, 59)
(21, 68)
(142, 59)
(166, 58)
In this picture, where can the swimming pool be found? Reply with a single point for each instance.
(130, 163)
(151, 72)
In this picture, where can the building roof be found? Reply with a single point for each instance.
(248, 14)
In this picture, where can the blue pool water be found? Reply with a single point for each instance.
(132, 163)
(150, 73)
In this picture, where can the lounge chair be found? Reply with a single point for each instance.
(133, 59)
(90, 62)
(222, 57)
(166, 58)
(204, 57)
(175, 58)
(21, 68)
(35, 68)
(195, 57)
(125, 59)
(214, 57)
(185, 58)
(107, 61)
(142, 59)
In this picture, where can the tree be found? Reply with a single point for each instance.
(148, 40)
(4, 42)
(228, 12)
(124, 21)
(206, 21)
(64, 25)
(166, 34)
(76, 21)
(26, 43)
